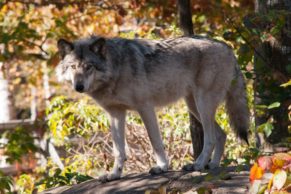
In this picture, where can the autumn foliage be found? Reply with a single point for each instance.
(29, 30)
(271, 174)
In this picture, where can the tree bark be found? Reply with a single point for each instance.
(196, 131)
(185, 17)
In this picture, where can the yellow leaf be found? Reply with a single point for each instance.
(286, 84)
(279, 160)
(270, 183)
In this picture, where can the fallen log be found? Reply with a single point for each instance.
(219, 180)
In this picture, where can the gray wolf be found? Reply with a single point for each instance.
(123, 74)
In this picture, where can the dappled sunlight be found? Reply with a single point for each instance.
(51, 135)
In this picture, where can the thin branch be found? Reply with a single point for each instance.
(38, 46)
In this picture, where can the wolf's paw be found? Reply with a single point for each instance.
(157, 170)
(188, 167)
(199, 167)
(212, 165)
(108, 177)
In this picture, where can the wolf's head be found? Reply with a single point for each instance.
(84, 63)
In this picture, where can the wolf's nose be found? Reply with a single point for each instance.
(79, 88)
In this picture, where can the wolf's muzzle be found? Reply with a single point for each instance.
(79, 88)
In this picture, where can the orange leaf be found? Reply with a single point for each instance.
(256, 172)
(274, 168)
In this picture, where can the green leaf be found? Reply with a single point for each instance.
(261, 106)
(265, 128)
(6, 183)
(262, 189)
(274, 105)
(203, 190)
(268, 129)
(81, 178)
(201, 19)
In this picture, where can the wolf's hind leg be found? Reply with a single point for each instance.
(219, 147)
(190, 102)
(206, 105)
(117, 122)
(148, 116)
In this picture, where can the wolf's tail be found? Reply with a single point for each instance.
(237, 106)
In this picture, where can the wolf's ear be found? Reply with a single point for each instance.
(98, 47)
(64, 47)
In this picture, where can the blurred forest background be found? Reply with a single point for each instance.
(51, 136)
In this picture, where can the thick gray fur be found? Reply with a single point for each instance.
(122, 74)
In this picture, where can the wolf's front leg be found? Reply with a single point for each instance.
(148, 116)
(117, 121)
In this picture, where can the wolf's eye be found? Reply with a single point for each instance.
(73, 66)
(89, 67)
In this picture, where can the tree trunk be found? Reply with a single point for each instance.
(196, 131)
(272, 67)
(186, 24)
(185, 17)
